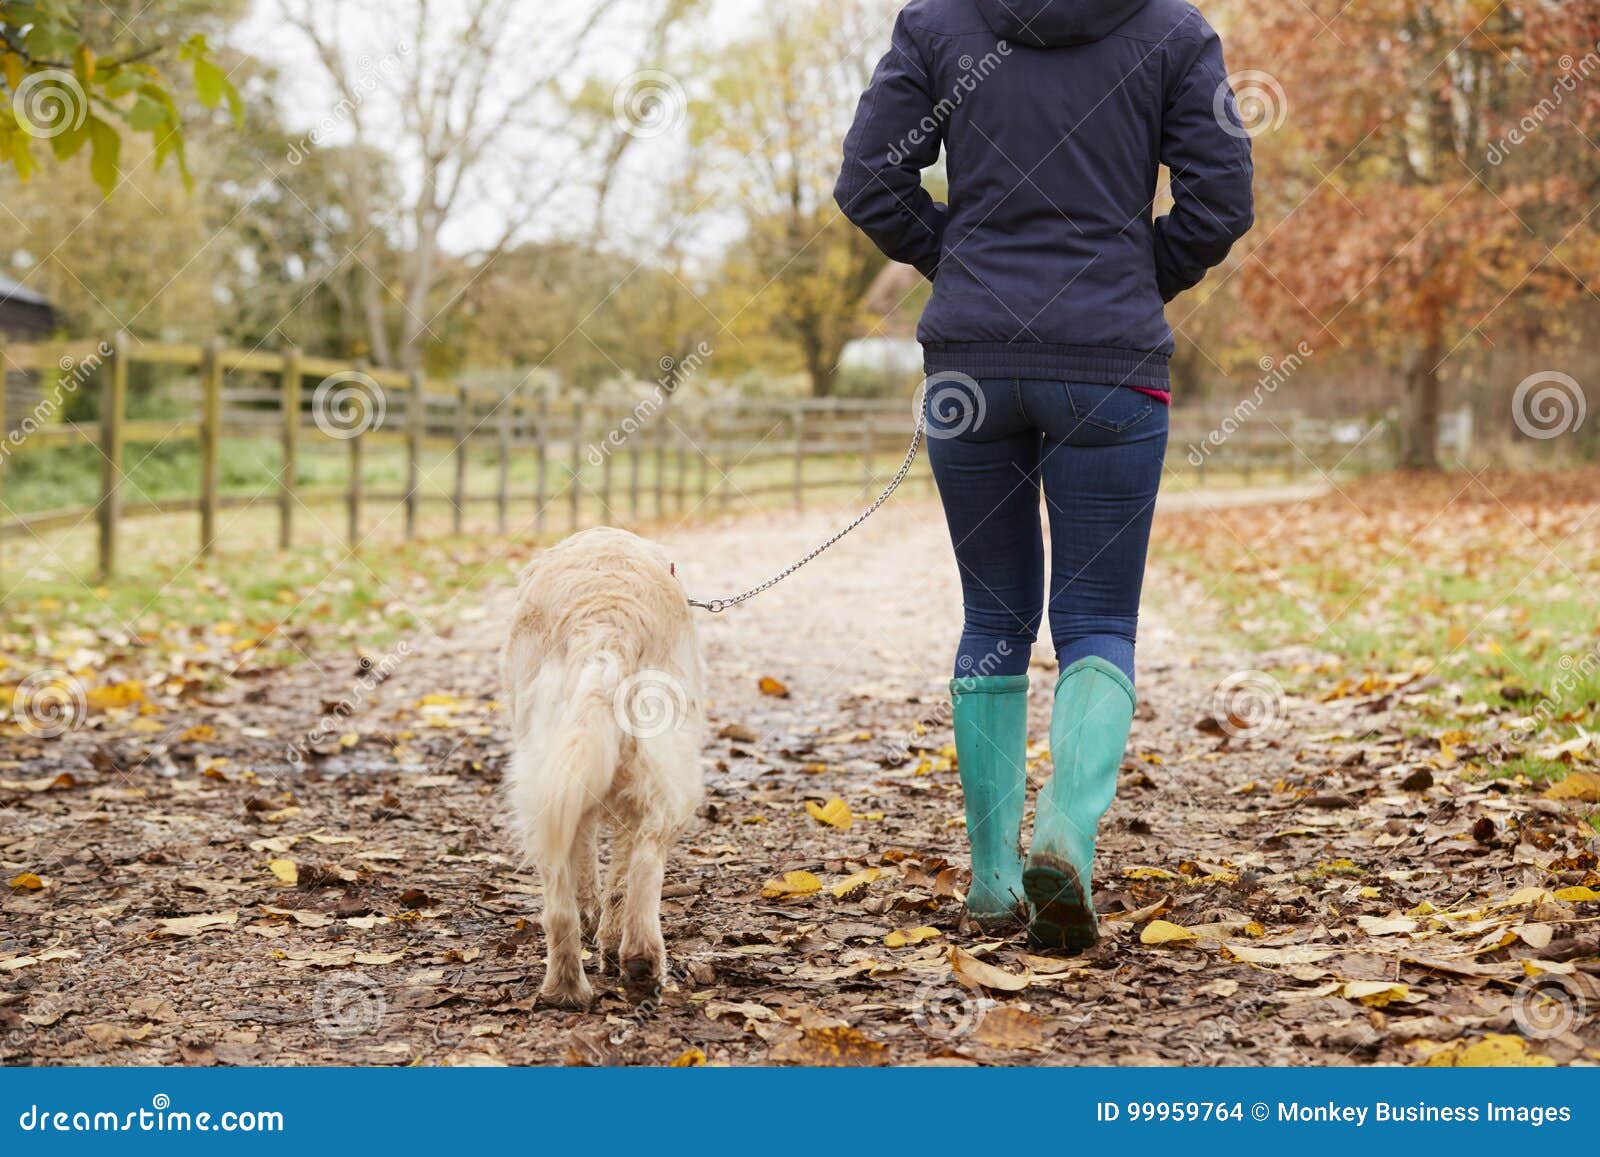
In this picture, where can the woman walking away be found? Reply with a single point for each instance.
(1046, 347)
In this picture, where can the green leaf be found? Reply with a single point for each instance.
(65, 144)
(107, 146)
(146, 115)
(210, 82)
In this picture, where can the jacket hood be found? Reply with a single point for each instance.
(1056, 23)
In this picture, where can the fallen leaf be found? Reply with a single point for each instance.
(1012, 1028)
(851, 887)
(1577, 895)
(1582, 786)
(835, 813)
(1166, 932)
(116, 695)
(285, 870)
(1299, 954)
(1374, 993)
(27, 882)
(1493, 1050)
(792, 884)
(692, 1059)
(833, 1047)
(195, 925)
(770, 686)
(1386, 926)
(971, 971)
(901, 938)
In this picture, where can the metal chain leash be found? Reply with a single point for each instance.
(717, 606)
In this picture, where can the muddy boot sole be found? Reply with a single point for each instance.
(1063, 914)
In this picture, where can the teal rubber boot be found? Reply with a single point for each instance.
(991, 725)
(1088, 735)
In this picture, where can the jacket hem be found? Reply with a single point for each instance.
(1094, 365)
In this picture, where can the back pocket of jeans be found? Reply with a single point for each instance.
(1113, 408)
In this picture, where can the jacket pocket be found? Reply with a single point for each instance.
(1115, 409)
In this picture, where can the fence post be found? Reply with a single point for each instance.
(682, 455)
(799, 457)
(868, 418)
(724, 471)
(541, 486)
(113, 408)
(290, 401)
(463, 436)
(658, 436)
(210, 441)
(416, 424)
(5, 423)
(502, 497)
(633, 471)
(575, 492)
(607, 469)
(358, 461)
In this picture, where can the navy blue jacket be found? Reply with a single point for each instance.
(1054, 116)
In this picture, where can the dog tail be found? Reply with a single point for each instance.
(584, 754)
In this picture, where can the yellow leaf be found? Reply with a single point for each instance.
(1583, 786)
(1577, 895)
(285, 870)
(835, 813)
(200, 733)
(1374, 993)
(852, 886)
(971, 971)
(792, 884)
(1149, 874)
(1370, 893)
(1493, 1050)
(770, 686)
(692, 1059)
(1165, 932)
(902, 937)
(116, 695)
(27, 882)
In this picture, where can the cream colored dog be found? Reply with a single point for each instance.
(602, 681)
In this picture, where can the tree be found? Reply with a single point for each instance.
(1398, 216)
(60, 89)
(779, 105)
(470, 107)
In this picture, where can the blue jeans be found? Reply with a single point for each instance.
(1097, 451)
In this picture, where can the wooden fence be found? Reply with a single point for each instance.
(549, 462)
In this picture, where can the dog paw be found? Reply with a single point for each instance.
(575, 996)
(641, 976)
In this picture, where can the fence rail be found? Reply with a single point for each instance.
(577, 460)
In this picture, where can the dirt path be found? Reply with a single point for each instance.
(1296, 863)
